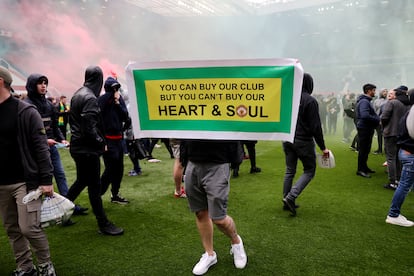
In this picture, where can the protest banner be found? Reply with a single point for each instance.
(220, 99)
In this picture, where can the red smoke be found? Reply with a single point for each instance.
(59, 44)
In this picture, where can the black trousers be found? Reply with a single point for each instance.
(88, 172)
(114, 167)
(365, 141)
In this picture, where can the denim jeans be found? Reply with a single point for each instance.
(58, 171)
(406, 182)
(305, 152)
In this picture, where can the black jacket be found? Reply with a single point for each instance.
(85, 119)
(366, 116)
(404, 141)
(308, 125)
(34, 150)
(115, 116)
(210, 151)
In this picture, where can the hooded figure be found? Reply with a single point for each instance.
(47, 110)
(308, 125)
(94, 79)
(85, 120)
(308, 130)
(87, 145)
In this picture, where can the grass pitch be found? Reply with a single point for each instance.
(340, 227)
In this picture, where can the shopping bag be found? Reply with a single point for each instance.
(54, 210)
(326, 162)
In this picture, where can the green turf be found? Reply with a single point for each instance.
(339, 229)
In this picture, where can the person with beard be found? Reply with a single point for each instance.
(393, 110)
(88, 144)
(367, 121)
(308, 131)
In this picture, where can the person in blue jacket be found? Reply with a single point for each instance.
(367, 121)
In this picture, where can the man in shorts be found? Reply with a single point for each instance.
(207, 186)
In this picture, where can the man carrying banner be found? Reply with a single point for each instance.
(207, 186)
(308, 130)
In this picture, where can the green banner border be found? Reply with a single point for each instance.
(286, 73)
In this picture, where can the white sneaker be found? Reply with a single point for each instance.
(204, 264)
(400, 220)
(154, 160)
(240, 257)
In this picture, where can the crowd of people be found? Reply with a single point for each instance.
(99, 126)
(386, 115)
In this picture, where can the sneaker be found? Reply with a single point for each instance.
(68, 222)
(290, 203)
(240, 257)
(79, 211)
(204, 264)
(154, 160)
(19, 272)
(46, 269)
(134, 173)
(286, 208)
(119, 199)
(353, 148)
(400, 220)
(110, 229)
(182, 194)
(391, 186)
(255, 170)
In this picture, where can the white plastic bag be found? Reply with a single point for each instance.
(54, 210)
(326, 162)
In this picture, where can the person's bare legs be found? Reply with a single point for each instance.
(205, 228)
(228, 227)
(177, 175)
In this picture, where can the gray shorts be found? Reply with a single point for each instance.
(207, 186)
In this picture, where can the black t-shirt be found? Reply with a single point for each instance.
(11, 167)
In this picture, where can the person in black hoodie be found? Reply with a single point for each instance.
(36, 87)
(367, 122)
(24, 167)
(88, 144)
(308, 130)
(115, 119)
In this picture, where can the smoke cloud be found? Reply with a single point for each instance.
(340, 45)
